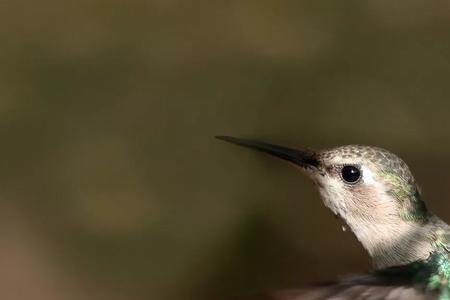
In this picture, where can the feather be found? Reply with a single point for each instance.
(396, 283)
(357, 292)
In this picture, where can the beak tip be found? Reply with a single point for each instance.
(302, 158)
(226, 138)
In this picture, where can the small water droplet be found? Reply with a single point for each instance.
(344, 228)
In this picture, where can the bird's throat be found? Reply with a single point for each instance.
(394, 243)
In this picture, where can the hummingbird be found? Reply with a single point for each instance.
(376, 196)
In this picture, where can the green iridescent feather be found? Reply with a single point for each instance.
(406, 192)
(432, 275)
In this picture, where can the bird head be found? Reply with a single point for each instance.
(371, 189)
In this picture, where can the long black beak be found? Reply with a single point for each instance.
(305, 159)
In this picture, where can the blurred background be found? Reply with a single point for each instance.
(111, 183)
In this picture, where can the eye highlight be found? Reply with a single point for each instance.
(350, 174)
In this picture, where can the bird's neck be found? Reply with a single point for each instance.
(394, 243)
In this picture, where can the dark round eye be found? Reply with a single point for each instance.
(350, 174)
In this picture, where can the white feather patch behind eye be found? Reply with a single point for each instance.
(367, 175)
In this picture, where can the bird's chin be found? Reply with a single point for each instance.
(341, 220)
(338, 216)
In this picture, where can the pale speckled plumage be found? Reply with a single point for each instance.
(370, 208)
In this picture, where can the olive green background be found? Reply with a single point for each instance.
(111, 183)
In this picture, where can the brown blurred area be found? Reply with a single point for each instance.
(111, 183)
